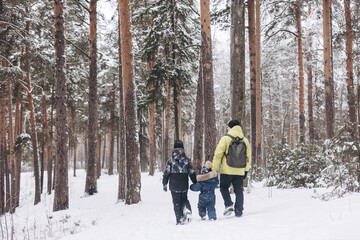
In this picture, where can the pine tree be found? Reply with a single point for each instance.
(252, 52)
(206, 53)
(329, 91)
(258, 92)
(91, 184)
(237, 70)
(297, 10)
(132, 168)
(61, 197)
(349, 66)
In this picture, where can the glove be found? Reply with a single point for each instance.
(245, 175)
(165, 188)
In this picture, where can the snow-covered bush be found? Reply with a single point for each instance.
(334, 164)
(342, 172)
(299, 167)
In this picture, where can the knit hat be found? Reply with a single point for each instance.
(233, 123)
(178, 144)
(207, 167)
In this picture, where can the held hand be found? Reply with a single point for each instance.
(165, 188)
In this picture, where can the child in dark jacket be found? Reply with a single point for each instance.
(177, 172)
(206, 184)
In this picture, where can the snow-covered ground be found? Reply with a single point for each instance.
(269, 213)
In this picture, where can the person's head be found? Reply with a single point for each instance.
(233, 123)
(207, 167)
(178, 144)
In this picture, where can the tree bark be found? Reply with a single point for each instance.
(199, 119)
(18, 130)
(152, 138)
(210, 124)
(301, 72)
(104, 152)
(112, 135)
(167, 122)
(98, 157)
(292, 137)
(350, 67)
(2, 153)
(252, 52)
(259, 160)
(32, 120)
(133, 173)
(91, 184)
(12, 159)
(310, 85)
(47, 147)
(237, 47)
(61, 196)
(329, 96)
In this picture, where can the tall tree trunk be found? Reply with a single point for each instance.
(349, 66)
(152, 138)
(259, 161)
(199, 119)
(18, 130)
(167, 122)
(237, 58)
(6, 168)
(104, 152)
(329, 98)
(12, 159)
(143, 144)
(112, 135)
(61, 196)
(133, 173)
(292, 135)
(2, 153)
(210, 124)
(252, 52)
(91, 186)
(52, 160)
(301, 72)
(310, 85)
(358, 104)
(176, 84)
(46, 141)
(32, 120)
(98, 157)
(152, 109)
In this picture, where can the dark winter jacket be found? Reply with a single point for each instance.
(207, 195)
(178, 170)
(207, 186)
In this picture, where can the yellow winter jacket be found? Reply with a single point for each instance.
(223, 147)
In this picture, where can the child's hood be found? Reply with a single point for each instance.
(207, 176)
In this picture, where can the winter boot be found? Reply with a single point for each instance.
(228, 210)
(187, 216)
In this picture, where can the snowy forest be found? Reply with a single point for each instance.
(98, 89)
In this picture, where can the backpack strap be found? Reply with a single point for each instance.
(233, 138)
(229, 136)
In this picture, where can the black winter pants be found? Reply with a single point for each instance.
(180, 201)
(237, 181)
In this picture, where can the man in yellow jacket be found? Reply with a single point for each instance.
(234, 175)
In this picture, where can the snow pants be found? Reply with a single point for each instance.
(207, 203)
(237, 181)
(180, 202)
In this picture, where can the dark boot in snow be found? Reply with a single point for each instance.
(228, 210)
(187, 216)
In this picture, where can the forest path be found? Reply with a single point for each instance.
(269, 214)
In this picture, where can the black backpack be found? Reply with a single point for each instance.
(236, 156)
